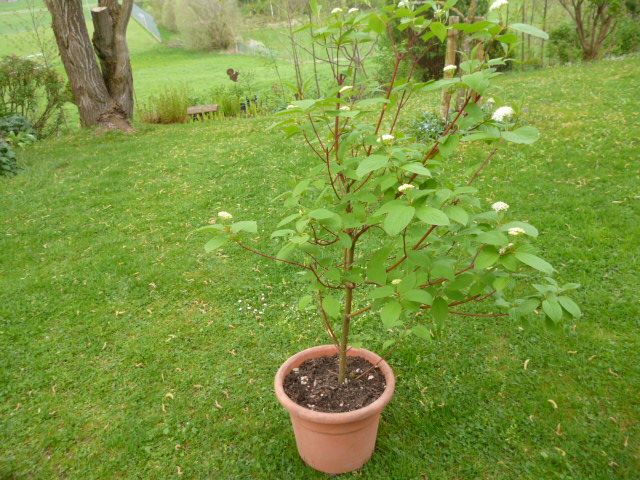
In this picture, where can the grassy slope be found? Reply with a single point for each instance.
(126, 353)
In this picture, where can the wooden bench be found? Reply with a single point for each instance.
(198, 112)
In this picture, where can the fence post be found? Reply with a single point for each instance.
(450, 59)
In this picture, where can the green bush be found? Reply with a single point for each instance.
(15, 124)
(208, 24)
(168, 106)
(33, 91)
(626, 38)
(8, 163)
(563, 44)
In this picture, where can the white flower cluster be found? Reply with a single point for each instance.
(515, 231)
(500, 206)
(225, 215)
(396, 281)
(497, 4)
(449, 68)
(336, 10)
(501, 113)
(405, 186)
(353, 10)
(387, 137)
(345, 108)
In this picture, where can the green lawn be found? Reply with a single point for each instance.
(129, 353)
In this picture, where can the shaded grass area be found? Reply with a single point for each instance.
(129, 353)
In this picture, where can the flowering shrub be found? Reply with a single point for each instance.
(377, 226)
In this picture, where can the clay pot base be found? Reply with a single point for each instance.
(314, 384)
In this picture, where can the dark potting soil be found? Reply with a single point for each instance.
(314, 384)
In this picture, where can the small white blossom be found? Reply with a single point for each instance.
(403, 3)
(353, 10)
(291, 107)
(336, 10)
(346, 88)
(405, 186)
(500, 206)
(396, 281)
(497, 4)
(387, 137)
(450, 68)
(490, 101)
(225, 215)
(504, 250)
(515, 231)
(501, 113)
(345, 108)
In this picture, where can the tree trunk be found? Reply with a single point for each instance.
(110, 22)
(100, 102)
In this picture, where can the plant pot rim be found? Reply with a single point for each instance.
(328, 417)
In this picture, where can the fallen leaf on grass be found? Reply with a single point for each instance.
(553, 404)
(526, 363)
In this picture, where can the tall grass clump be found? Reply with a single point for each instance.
(168, 106)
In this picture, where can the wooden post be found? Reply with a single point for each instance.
(450, 59)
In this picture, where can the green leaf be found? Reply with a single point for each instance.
(288, 219)
(370, 164)
(420, 296)
(523, 135)
(304, 302)
(529, 30)
(493, 237)
(285, 252)
(331, 306)
(487, 257)
(534, 262)
(477, 81)
(382, 292)
(457, 214)
(421, 331)
(432, 216)
(326, 216)
(552, 309)
(417, 168)
(245, 226)
(439, 30)
(215, 243)
(570, 306)
(440, 310)
(398, 218)
(390, 313)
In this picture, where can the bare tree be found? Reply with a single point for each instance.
(595, 20)
(103, 92)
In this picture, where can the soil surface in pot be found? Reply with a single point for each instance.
(314, 384)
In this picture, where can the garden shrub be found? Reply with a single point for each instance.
(33, 91)
(626, 38)
(208, 24)
(427, 127)
(563, 44)
(8, 163)
(15, 124)
(168, 106)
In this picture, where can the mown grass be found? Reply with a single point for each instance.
(129, 353)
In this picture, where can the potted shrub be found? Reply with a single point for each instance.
(379, 226)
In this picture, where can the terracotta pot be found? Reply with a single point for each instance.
(335, 443)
